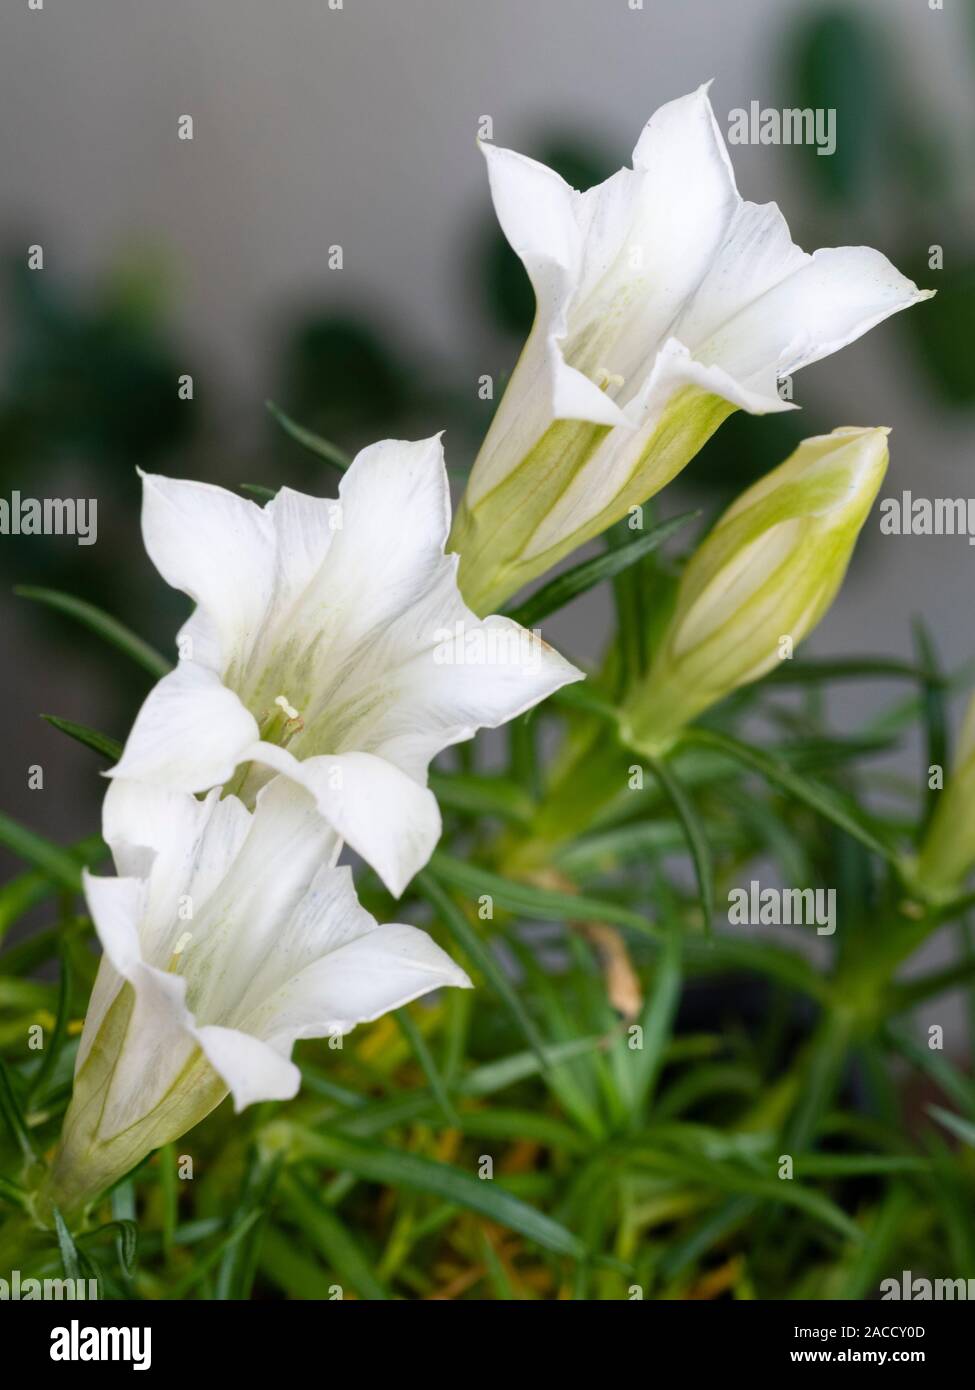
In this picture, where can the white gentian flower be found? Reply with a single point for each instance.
(318, 649)
(227, 936)
(663, 302)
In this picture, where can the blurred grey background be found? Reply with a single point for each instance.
(316, 126)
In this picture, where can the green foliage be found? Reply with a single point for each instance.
(634, 1070)
(585, 1120)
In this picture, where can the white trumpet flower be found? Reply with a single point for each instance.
(664, 301)
(227, 936)
(317, 650)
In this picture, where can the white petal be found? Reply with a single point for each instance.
(159, 1040)
(214, 546)
(387, 817)
(833, 299)
(107, 984)
(116, 906)
(328, 916)
(159, 1044)
(461, 674)
(189, 733)
(244, 933)
(379, 971)
(651, 234)
(395, 503)
(303, 532)
(575, 397)
(683, 133)
(432, 677)
(536, 210)
(252, 1070)
(182, 847)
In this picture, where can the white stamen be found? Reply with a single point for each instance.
(182, 943)
(290, 711)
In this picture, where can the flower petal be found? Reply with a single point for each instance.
(652, 232)
(837, 295)
(304, 528)
(387, 817)
(537, 213)
(115, 905)
(214, 546)
(158, 1041)
(455, 674)
(180, 846)
(395, 517)
(252, 1070)
(381, 970)
(189, 734)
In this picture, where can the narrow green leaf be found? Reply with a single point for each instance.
(826, 1165)
(656, 1022)
(203, 1267)
(27, 890)
(107, 627)
(912, 992)
(52, 1050)
(565, 587)
(872, 1259)
(500, 1283)
(419, 1174)
(91, 738)
(732, 1213)
(11, 1113)
(935, 714)
(818, 797)
(127, 1240)
(808, 672)
(951, 1190)
(337, 1245)
(69, 1254)
(956, 1086)
(166, 1159)
(823, 1066)
(961, 1129)
(740, 1181)
(376, 1117)
(321, 448)
(298, 1275)
(424, 1056)
(725, 952)
(697, 840)
(528, 901)
(482, 796)
(481, 957)
(237, 1268)
(15, 1195)
(579, 696)
(497, 1122)
(55, 863)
